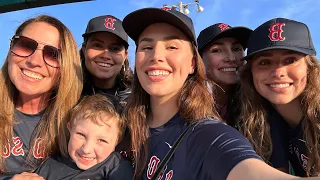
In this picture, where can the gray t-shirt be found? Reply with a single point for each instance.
(17, 153)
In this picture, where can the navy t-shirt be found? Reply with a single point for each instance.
(279, 157)
(209, 151)
(288, 144)
(297, 150)
(115, 167)
(15, 155)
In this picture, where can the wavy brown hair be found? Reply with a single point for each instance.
(62, 97)
(233, 109)
(254, 115)
(195, 103)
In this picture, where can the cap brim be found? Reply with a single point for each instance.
(300, 50)
(85, 35)
(240, 33)
(135, 22)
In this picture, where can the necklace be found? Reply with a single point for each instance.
(115, 94)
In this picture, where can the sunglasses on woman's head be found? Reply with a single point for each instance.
(24, 47)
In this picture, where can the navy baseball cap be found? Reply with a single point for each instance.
(220, 30)
(135, 22)
(106, 23)
(281, 33)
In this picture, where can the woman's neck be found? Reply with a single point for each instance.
(104, 83)
(32, 104)
(221, 97)
(291, 112)
(162, 110)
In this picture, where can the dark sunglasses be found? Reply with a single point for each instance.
(24, 47)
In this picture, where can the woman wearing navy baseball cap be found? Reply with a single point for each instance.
(174, 127)
(222, 48)
(104, 56)
(280, 95)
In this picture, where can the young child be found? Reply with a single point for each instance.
(95, 128)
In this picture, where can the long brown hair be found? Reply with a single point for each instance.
(232, 106)
(191, 106)
(254, 115)
(63, 96)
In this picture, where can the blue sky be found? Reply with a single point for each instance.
(250, 13)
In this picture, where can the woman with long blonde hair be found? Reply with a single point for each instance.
(170, 109)
(280, 88)
(41, 81)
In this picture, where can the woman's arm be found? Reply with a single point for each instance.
(256, 169)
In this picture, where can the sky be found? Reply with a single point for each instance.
(249, 13)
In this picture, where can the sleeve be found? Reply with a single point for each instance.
(123, 171)
(224, 147)
(5, 176)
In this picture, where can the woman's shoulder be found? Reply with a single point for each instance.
(215, 131)
(210, 124)
(218, 147)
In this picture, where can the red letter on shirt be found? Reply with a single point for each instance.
(38, 149)
(17, 150)
(6, 151)
(152, 166)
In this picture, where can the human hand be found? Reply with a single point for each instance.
(27, 176)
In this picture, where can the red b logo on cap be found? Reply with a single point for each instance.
(109, 22)
(166, 8)
(223, 27)
(276, 32)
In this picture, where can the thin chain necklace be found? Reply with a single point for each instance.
(115, 94)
